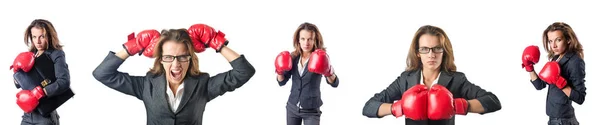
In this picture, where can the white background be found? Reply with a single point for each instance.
(367, 43)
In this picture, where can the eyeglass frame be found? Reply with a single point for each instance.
(430, 49)
(178, 58)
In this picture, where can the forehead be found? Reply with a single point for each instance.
(428, 40)
(36, 31)
(306, 33)
(555, 34)
(174, 48)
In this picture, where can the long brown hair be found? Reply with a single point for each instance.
(573, 44)
(178, 36)
(48, 29)
(318, 38)
(413, 62)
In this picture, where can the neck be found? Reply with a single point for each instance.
(430, 74)
(306, 54)
(39, 52)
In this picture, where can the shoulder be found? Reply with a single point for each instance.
(406, 73)
(575, 58)
(457, 74)
(202, 75)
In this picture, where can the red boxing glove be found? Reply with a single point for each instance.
(551, 75)
(24, 61)
(136, 45)
(283, 62)
(441, 103)
(413, 103)
(204, 36)
(531, 56)
(29, 99)
(319, 63)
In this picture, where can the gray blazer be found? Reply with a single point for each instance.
(151, 89)
(306, 87)
(456, 82)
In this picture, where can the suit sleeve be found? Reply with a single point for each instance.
(228, 81)
(108, 75)
(488, 100)
(286, 77)
(389, 95)
(335, 83)
(539, 84)
(61, 71)
(577, 78)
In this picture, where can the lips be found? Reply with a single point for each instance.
(430, 62)
(176, 74)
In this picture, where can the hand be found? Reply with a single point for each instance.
(144, 39)
(567, 91)
(283, 62)
(29, 99)
(203, 36)
(531, 56)
(319, 63)
(413, 103)
(442, 105)
(551, 75)
(24, 61)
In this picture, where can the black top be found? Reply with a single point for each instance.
(306, 87)
(456, 82)
(151, 89)
(558, 105)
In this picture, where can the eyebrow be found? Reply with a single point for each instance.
(430, 47)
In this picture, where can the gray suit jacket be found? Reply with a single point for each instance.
(151, 89)
(456, 82)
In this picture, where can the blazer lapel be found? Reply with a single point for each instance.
(565, 58)
(413, 79)
(188, 90)
(444, 78)
(161, 88)
(305, 69)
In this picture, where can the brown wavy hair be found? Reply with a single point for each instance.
(50, 33)
(573, 44)
(413, 62)
(318, 38)
(178, 36)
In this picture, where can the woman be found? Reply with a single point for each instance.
(430, 87)
(174, 91)
(566, 54)
(40, 100)
(305, 66)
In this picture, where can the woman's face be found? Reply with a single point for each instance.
(39, 38)
(307, 40)
(176, 61)
(557, 42)
(430, 52)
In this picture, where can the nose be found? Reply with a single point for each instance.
(431, 54)
(175, 63)
(37, 40)
(553, 44)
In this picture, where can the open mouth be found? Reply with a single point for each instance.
(176, 74)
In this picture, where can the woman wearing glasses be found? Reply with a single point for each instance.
(174, 91)
(430, 90)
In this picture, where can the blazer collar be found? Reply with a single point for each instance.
(415, 77)
(297, 61)
(564, 59)
(188, 90)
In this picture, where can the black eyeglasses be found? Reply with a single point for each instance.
(425, 50)
(170, 58)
